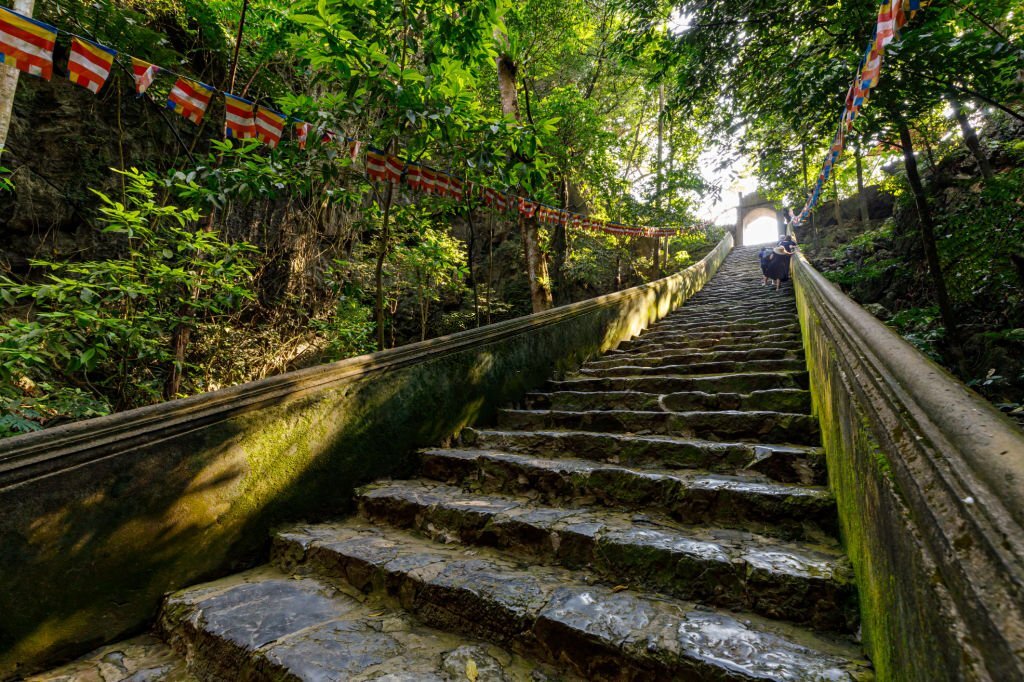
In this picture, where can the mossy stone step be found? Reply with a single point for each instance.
(739, 382)
(600, 633)
(140, 659)
(762, 323)
(662, 358)
(786, 464)
(711, 367)
(752, 503)
(730, 569)
(267, 625)
(760, 426)
(651, 337)
(703, 346)
(698, 320)
(784, 400)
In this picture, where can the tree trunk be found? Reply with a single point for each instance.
(862, 197)
(924, 215)
(838, 209)
(559, 244)
(378, 272)
(490, 266)
(536, 265)
(970, 137)
(470, 260)
(9, 78)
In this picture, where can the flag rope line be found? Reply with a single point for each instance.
(28, 44)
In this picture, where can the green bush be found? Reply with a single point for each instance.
(95, 335)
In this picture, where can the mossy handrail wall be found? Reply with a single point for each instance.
(929, 479)
(98, 519)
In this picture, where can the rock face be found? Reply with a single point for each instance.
(660, 515)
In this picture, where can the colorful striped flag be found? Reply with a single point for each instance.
(376, 166)
(414, 177)
(393, 167)
(527, 208)
(239, 118)
(441, 184)
(145, 73)
(27, 44)
(302, 133)
(89, 64)
(190, 98)
(269, 126)
(455, 189)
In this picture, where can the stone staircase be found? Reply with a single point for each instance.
(660, 515)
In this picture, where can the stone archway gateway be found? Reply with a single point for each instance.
(753, 206)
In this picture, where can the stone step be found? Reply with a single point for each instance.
(759, 324)
(698, 318)
(704, 345)
(267, 625)
(600, 633)
(771, 427)
(139, 659)
(784, 400)
(662, 358)
(713, 383)
(753, 503)
(713, 367)
(725, 568)
(785, 464)
(653, 335)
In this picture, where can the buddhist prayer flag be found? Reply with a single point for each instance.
(455, 189)
(302, 133)
(269, 126)
(393, 167)
(27, 44)
(376, 166)
(145, 73)
(190, 99)
(89, 64)
(414, 177)
(239, 118)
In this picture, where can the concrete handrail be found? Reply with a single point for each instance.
(101, 517)
(956, 466)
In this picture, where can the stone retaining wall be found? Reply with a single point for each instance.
(100, 518)
(929, 479)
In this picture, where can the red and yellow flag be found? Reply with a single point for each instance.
(190, 98)
(89, 64)
(27, 44)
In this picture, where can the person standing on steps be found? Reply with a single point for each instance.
(777, 267)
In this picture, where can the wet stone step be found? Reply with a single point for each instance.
(667, 358)
(753, 503)
(721, 567)
(652, 337)
(139, 659)
(267, 625)
(698, 320)
(772, 427)
(713, 383)
(785, 464)
(764, 324)
(702, 346)
(783, 400)
(720, 367)
(599, 632)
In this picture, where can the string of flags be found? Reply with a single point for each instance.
(892, 16)
(28, 45)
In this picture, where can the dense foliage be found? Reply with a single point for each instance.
(290, 257)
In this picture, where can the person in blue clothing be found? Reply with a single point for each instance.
(775, 261)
